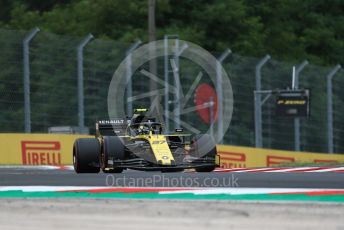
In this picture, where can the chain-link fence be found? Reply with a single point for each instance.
(54, 91)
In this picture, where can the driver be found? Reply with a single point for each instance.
(143, 129)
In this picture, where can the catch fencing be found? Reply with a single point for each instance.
(52, 80)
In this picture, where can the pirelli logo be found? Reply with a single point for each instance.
(232, 160)
(41, 152)
(325, 161)
(276, 160)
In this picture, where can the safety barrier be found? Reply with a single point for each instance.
(245, 157)
(36, 149)
(56, 149)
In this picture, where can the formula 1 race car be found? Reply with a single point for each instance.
(139, 143)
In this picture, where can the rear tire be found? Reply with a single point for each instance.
(113, 148)
(86, 153)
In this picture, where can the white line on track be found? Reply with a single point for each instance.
(195, 190)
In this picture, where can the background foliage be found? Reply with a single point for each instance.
(289, 30)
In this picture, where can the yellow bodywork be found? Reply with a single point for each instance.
(217, 160)
(159, 147)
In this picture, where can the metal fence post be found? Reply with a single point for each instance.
(129, 78)
(223, 56)
(26, 65)
(166, 79)
(178, 86)
(166, 98)
(81, 112)
(257, 103)
(297, 120)
(329, 77)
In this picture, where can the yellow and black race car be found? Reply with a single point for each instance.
(140, 144)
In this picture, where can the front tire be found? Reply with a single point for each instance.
(86, 153)
(205, 169)
(206, 143)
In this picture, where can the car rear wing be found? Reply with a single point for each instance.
(112, 127)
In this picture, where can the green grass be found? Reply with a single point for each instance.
(180, 196)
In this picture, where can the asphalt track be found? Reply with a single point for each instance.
(31, 177)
